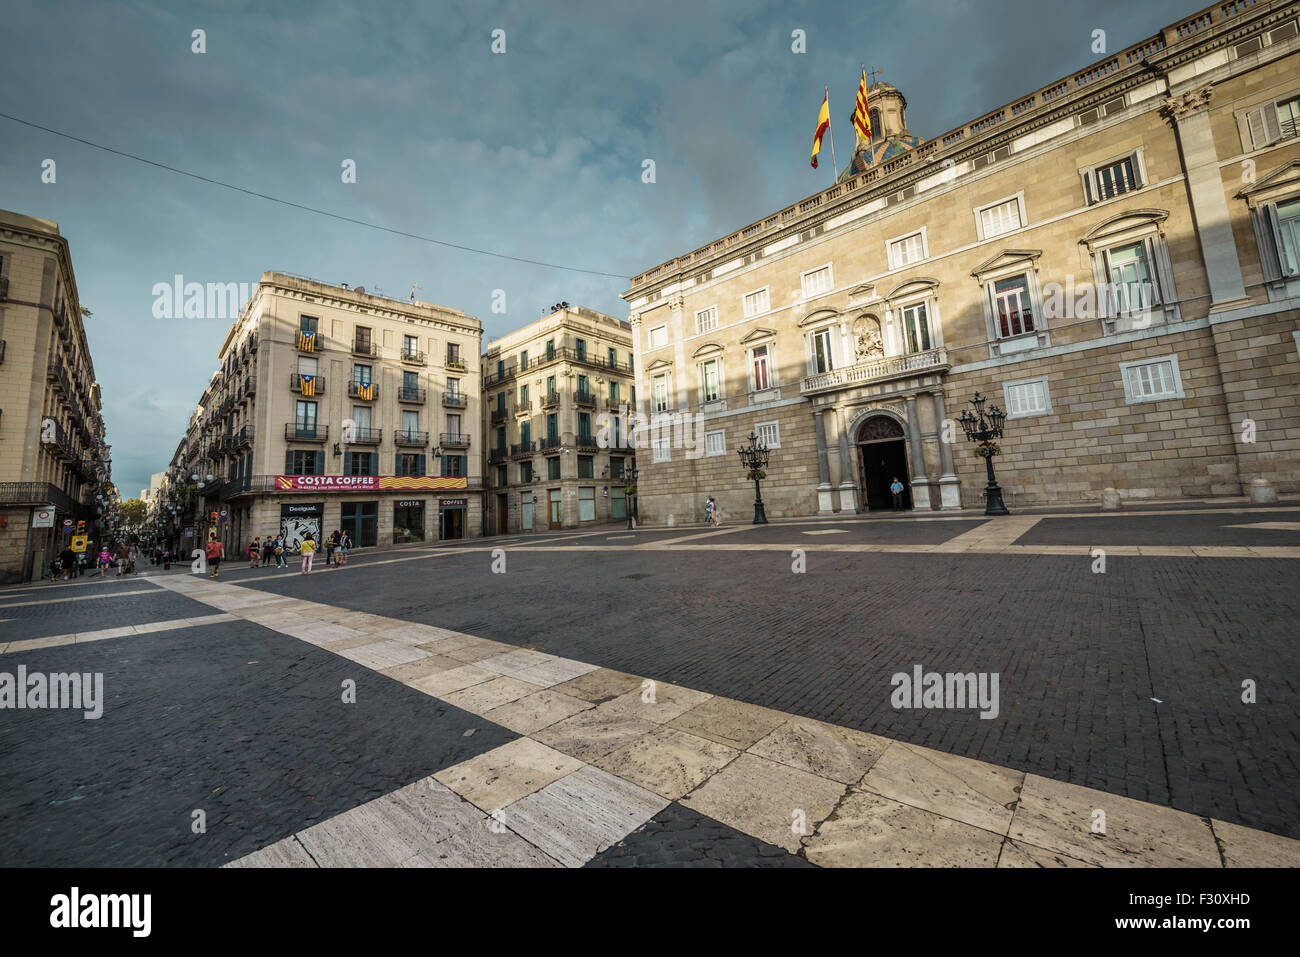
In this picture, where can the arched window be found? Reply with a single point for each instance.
(876, 131)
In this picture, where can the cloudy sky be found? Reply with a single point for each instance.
(535, 153)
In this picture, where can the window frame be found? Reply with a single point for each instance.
(1020, 383)
(723, 443)
(651, 333)
(979, 211)
(699, 328)
(830, 281)
(1088, 175)
(776, 431)
(755, 313)
(1131, 399)
(894, 261)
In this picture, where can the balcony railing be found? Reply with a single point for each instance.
(410, 437)
(498, 453)
(456, 363)
(454, 440)
(550, 442)
(414, 358)
(314, 386)
(362, 436)
(501, 375)
(454, 400)
(306, 432)
(37, 493)
(586, 443)
(308, 341)
(877, 370)
(365, 347)
(243, 439)
(524, 408)
(550, 400)
(365, 391)
(522, 449)
(585, 398)
(499, 416)
(411, 394)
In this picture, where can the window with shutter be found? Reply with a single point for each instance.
(1286, 222)
(1264, 125)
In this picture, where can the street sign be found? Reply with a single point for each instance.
(225, 515)
(43, 518)
(67, 526)
(79, 543)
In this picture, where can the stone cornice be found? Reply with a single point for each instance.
(1185, 104)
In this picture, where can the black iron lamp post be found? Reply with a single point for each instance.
(629, 476)
(755, 456)
(983, 427)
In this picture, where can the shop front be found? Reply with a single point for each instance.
(452, 514)
(408, 521)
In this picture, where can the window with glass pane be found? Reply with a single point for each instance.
(410, 346)
(613, 390)
(410, 382)
(553, 468)
(305, 417)
(662, 450)
(453, 465)
(710, 369)
(583, 387)
(1001, 218)
(308, 324)
(453, 388)
(453, 424)
(817, 282)
(613, 358)
(1288, 115)
(453, 352)
(760, 358)
(358, 463)
(361, 374)
(586, 503)
(586, 466)
(523, 395)
(525, 472)
(550, 349)
(1115, 179)
(584, 427)
(410, 423)
(580, 346)
(706, 319)
(1026, 398)
(552, 426)
(821, 344)
(501, 476)
(757, 302)
(1152, 380)
(907, 250)
(550, 385)
(304, 463)
(526, 432)
(1012, 306)
(408, 465)
(1130, 275)
(769, 434)
(660, 386)
(715, 443)
(1288, 227)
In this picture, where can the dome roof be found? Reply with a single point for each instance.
(876, 152)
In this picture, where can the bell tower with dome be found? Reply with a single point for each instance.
(889, 133)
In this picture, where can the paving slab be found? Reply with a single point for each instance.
(973, 792)
(668, 762)
(733, 723)
(826, 750)
(497, 778)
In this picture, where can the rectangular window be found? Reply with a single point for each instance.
(1151, 380)
(1288, 236)
(550, 349)
(659, 387)
(359, 463)
(523, 395)
(1114, 180)
(453, 465)
(410, 383)
(658, 337)
(502, 480)
(769, 434)
(762, 373)
(905, 251)
(305, 417)
(553, 468)
(1000, 218)
(408, 521)
(523, 360)
(581, 346)
(1130, 274)
(613, 358)
(613, 390)
(410, 465)
(1012, 307)
(361, 374)
(584, 428)
(757, 302)
(453, 422)
(304, 463)
(1273, 122)
(817, 281)
(308, 324)
(453, 388)
(715, 443)
(453, 352)
(1027, 398)
(706, 319)
(410, 346)
(525, 472)
(525, 432)
(307, 365)
(586, 466)
(821, 349)
(712, 390)
(586, 503)
(552, 426)
(411, 423)
(662, 449)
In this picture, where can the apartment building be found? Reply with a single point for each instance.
(557, 452)
(334, 408)
(1113, 259)
(55, 470)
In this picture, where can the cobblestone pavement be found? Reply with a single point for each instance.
(1080, 655)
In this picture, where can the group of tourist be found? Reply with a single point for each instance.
(69, 563)
(262, 553)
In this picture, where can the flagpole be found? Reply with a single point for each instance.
(830, 128)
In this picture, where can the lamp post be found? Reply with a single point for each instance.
(984, 427)
(629, 476)
(755, 457)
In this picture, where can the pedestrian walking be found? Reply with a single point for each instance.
(307, 549)
(81, 563)
(67, 558)
(215, 551)
(254, 552)
(711, 512)
(345, 543)
(281, 559)
(331, 544)
(896, 489)
(122, 553)
(268, 551)
(105, 559)
(167, 558)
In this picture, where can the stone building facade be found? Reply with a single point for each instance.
(334, 408)
(54, 463)
(547, 390)
(1111, 258)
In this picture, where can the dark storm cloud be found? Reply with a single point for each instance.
(536, 153)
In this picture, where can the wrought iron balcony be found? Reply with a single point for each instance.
(551, 400)
(315, 387)
(548, 443)
(306, 432)
(243, 439)
(454, 400)
(498, 453)
(522, 450)
(408, 437)
(365, 347)
(508, 372)
(362, 436)
(877, 370)
(499, 416)
(585, 399)
(414, 358)
(524, 408)
(586, 443)
(454, 440)
(455, 363)
(411, 394)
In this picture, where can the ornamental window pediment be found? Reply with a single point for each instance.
(817, 317)
(758, 335)
(1132, 222)
(708, 349)
(920, 286)
(1282, 183)
(1009, 260)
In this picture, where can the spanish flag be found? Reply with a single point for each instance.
(861, 115)
(823, 124)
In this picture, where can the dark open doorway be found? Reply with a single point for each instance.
(883, 455)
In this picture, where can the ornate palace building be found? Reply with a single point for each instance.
(1113, 258)
(547, 388)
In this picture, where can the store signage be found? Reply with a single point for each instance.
(313, 508)
(409, 503)
(453, 502)
(367, 483)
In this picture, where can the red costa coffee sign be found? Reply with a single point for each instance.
(366, 483)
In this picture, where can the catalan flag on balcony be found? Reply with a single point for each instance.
(365, 391)
(861, 115)
(307, 384)
(307, 341)
(823, 124)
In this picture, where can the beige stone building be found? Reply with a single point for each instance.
(334, 408)
(54, 463)
(1114, 259)
(556, 448)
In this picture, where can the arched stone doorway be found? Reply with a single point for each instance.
(882, 452)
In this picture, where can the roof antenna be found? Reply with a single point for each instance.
(414, 287)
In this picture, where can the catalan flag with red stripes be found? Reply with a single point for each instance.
(861, 115)
(823, 124)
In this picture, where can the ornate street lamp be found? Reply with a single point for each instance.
(629, 476)
(983, 427)
(755, 457)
